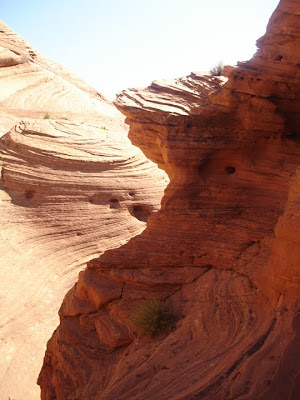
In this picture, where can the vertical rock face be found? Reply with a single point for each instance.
(69, 189)
(223, 251)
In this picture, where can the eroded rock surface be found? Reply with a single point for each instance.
(223, 250)
(70, 185)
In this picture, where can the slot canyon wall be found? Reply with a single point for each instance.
(223, 251)
(71, 187)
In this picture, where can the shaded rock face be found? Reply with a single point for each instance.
(223, 251)
(69, 189)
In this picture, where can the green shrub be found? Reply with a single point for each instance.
(47, 116)
(217, 69)
(152, 317)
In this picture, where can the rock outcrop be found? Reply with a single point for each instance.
(72, 186)
(223, 250)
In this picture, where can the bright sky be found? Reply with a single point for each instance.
(115, 44)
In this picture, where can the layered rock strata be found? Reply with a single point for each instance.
(223, 251)
(71, 187)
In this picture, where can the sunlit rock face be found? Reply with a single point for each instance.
(71, 187)
(223, 251)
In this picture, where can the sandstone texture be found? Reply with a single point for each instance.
(223, 251)
(71, 187)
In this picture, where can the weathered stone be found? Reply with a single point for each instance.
(231, 149)
(68, 188)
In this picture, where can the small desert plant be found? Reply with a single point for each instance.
(104, 128)
(152, 316)
(217, 69)
(47, 116)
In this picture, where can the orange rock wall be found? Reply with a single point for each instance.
(223, 251)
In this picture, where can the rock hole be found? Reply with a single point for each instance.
(114, 203)
(294, 136)
(131, 194)
(230, 169)
(142, 213)
(279, 58)
(29, 194)
(242, 78)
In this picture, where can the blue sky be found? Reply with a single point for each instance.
(115, 44)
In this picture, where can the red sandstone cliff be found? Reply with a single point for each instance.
(223, 250)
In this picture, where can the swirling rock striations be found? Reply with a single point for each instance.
(223, 250)
(72, 186)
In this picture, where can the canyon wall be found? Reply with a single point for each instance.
(72, 186)
(223, 251)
